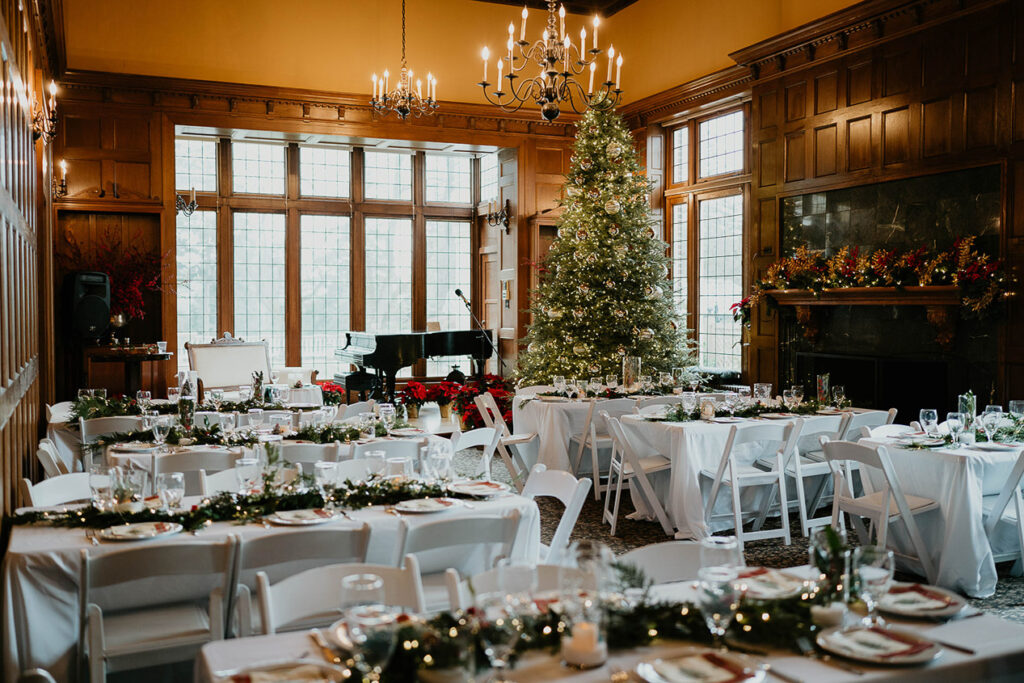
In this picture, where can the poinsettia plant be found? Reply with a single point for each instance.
(414, 394)
(444, 393)
(334, 394)
(498, 387)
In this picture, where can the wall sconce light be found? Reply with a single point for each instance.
(60, 190)
(45, 126)
(502, 217)
(187, 208)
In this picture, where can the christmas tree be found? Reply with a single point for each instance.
(604, 291)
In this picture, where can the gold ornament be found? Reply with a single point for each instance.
(621, 350)
(581, 234)
(578, 313)
(585, 164)
(555, 313)
(592, 258)
(584, 288)
(609, 284)
(647, 334)
(612, 206)
(613, 149)
(613, 230)
(579, 349)
(594, 368)
(619, 313)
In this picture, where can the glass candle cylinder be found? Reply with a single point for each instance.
(631, 373)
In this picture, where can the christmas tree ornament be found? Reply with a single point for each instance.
(651, 233)
(621, 350)
(592, 258)
(584, 288)
(656, 292)
(613, 149)
(647, 334)
(613, 230)
(594, 368)
(581, 234)
(572, 190)
(579, 349)
(586, 164)
(578, 313)
(594, 193)
(609, 284)
(649, 291)
(619, 313)
(612, 206)
(555, 313)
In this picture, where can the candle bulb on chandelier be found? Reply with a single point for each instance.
(522, 31)
(561, 20)
(419, 88)
(501, 62)
(583, 41)
(597, 20)
(53, 95)
(593, 68)
(384, 85)
(510, 52)
(485, 53)
(192, 196)
(618, 71)
(63, 170)
(566, 44)
(374, 86)
(511, 40)
(611, 60)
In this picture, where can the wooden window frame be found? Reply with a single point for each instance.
(695, 145)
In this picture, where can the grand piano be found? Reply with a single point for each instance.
(386, 354)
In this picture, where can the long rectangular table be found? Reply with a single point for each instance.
(998, 646)
(42, 566)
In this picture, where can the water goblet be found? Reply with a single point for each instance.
(1017, 409)
(376, 462)
(144, 399)
(719, 551)
(161, 427)
(929, 418)
(372, 629)
(216, 397)
(744, 396)
(678, 375)
(500, 630)
(84, 393)
(244, 394)
(387, 416)
(595, 385)
(762, 392)
(874, 567)
(787, 399)
(666, 379)
(247, 471)
(101, 487)
(558, 381)
(718, 598)
(362, 589)
(694, 381)
(955, 423)
(611, 381)
(838, 395)
(255, 416)
(325, 473)
(989, 422)
(440, 463)
(100, 393)
(170, 487)
(173, 394)
(798, 394)
(400, 468)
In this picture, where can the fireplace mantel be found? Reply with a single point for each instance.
(940, 302)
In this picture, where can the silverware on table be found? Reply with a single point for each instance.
(91, 535)
(952, 646)
(807, 649)
(325, 649)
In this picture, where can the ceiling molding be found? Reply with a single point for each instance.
(605, 8)
(732, 82)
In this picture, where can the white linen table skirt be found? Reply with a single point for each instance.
(555, 423)
(958, 480)
(42, 566)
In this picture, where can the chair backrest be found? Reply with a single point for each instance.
(459, 531)
(307, 375)
(216, 482)
(616, 407)
(786, 434)
(353, 409)
(58, 490)
(658, 401)
(310, 452)
(191, 463)
(870, 418)
(91, 429)
(549, 579)
(535, 389)
(283, 554)
(36, 676)
(52, 465)
(393, 448)
(626, 449)
(490, 413)
(1011, 489)
(58, 410)
(883, 431)
(486, 437)
(668, 561)
(228, 362)
(134, 577)
(315, 594)
(838, 455)
(354, 470)
(572, 492)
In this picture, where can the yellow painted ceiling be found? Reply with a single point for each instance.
(335, 45)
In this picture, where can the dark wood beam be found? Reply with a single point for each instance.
(605, 8)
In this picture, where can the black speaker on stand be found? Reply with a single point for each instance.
(86, 297)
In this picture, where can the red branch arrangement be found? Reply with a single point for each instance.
(131, 270)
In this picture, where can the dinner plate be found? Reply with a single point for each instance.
(703, 665)
(777, 416)
(763, 583)
(479, 489)
(727, 420)
(879, 645)
(426, 505)
(994, 447)
(285, 670)
(553, 399)
(307, 517)
(135, 447)
(919, 441)
(407, 432)
(139, 531)
(919, 600)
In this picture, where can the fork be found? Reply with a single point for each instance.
(91, 535)
(808, 650)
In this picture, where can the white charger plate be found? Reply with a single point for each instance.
(787, 584)
(407, 432)
(994, 447)
(427, 505)
(835, 640)
(134, 447)
(295, 670)
(140, 531)
(307, 517)
(889, 603)
(479, 489)
(777, 416)
(661, 670)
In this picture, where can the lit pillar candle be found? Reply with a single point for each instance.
(63, 170)
(384, 85)
(501, 62)
(522, 30)
(566, 44)
(597, 21)
(53, 95)
(583, 41)
(611, 60)
(561, 20)
(618, 71)
(430, 86)
(374, 86)
(593, 68)
(510, 54)
(485, 53)
(419, 88)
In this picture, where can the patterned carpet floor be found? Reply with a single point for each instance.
(1007, 602)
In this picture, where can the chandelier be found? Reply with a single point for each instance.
(560, 63)
(403, 100)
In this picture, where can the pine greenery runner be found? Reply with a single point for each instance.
(604, 290)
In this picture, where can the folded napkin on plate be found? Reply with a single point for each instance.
(317, 513)
(879, 642)
(427, 504)
(761, 581)
(706, 667)
(915, 596)
(304, 673)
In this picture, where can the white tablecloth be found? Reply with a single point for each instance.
(42, 566)
(555, 423)
(957, 480)
(999, 647)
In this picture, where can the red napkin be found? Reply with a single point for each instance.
(754, 571)
(913, 644)
(738, 671)
(918, 588)
(320, 512)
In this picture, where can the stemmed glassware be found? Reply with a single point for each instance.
(1017, 409)
(102, 487)
(874, 567)
(144, 399)
(989, 421)
(247, 471)
(500, 629)
(559, 383)
(595, 385)
(216, 397)
(170, 487)
(719, 551)
(729, 400)
(161, 427)
(678, 375)
(325, 473)
(798, 394)
(929, 418)
(255, 418)
(762, 392)
(611, 381)
(387, 416)
(718, 597)
(439, 461)
(787, 399)
(371, 624)
(376, 462)
(955, 423)
(838, 395)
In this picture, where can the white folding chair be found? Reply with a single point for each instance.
(393, 448)
(596, 435)
(64, 488)
(47, 455)
(90, 430)
(549, 578)
(869, 418)
(36, 676)
(218, 482)
(57, 408)
(455, 537)
(534, 389)
(658, 401)
(129, 621)
(352, 470)
(310, 453)
(313, 597)
(999, 513)
(880, 507)
(667, 561)
(627, 467)
(885, 431)
(485, 438)
(736, 477)
(572, 492)
(353, 409)
(284, 554)
(191, 463)
(508, 443)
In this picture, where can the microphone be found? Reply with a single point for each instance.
(458, 293)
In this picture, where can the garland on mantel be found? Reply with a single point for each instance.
(982, 280)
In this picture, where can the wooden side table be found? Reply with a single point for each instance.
(132, 359)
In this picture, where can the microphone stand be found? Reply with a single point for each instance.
(490, 342)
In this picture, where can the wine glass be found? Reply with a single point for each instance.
(763, 392)
(255, 417)
(247, 471)
(719, 551)
(666, 379)
(798, 394)
(595, 385)
(372, 629)
(989, 422)
(500, 629)
(171, 489)
(173, 394)
(1017, 409)
(678, 375)
(216, 397)
(955, 422)
(611, 381)
(929, 418)
(694, 381)
(160, 427)
(325, 473)
(376, 461)
(440, 462)
(559, 383)
(787, 399)
(518, 580)
(993, 409)
(275, 376)
(718, 598)
(101, 487)
(144, 399)
(838, 395)
(84, 393)
(100, 393)
(874, 567)
(387, 416)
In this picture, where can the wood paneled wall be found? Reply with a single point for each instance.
(19, 254)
